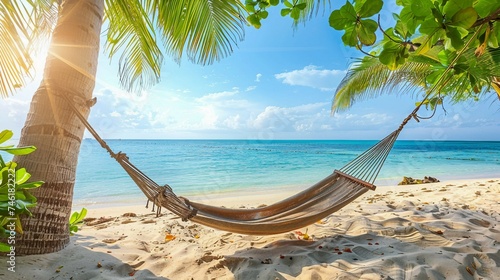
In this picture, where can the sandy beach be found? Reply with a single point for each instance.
(445, 230)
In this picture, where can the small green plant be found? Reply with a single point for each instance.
(75, 220)
(15, 198)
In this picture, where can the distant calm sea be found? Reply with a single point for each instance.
(198, 167)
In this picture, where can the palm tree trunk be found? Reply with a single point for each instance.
(53, 127)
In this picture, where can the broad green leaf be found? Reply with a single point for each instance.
(19, 226)
(404, 2)
(11, 165)
(455, 37)
(263, 14)
(301, 6)
(444, 57)
(485, 7)
(23, 206)
(396, 17)
(19, 151)
(73, 217)
(250, 8)
(359, 3)
(20, 195)
(492, 41)
(30, 185)
(4, 248)
(73, 230)
(350, 37)
(263, 4)
(285, 11)
(366, 31)
(3, 231)
(463, 32)
(409, 19)
(295, 14)
(430, 27)
(343, 17)
(288, 4)
(254, 20)
(388, 58)
(274, 2)
(5, 135)
(437, 15)
(29, 197)
(339, 21)
(392, 55)
(464, 18)
(78, 217)
(453, 6)
(402, 29)
(22, 176)
(421, 8)
(369, 8)
(348, 11)
(83, 214)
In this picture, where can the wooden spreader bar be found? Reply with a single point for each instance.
(356, 180)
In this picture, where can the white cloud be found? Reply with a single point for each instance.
(233, 122)
(289, 118)
(217, 95)
(250, 88)
(362, 121)
(257, 77)
(221, 113)
(14, 110)
(312, 76)
(209, 117)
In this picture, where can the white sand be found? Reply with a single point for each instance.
(434, 231)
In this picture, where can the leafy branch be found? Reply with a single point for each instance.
(15, 198)
(432, 36)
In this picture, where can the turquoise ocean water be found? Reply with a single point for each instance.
(198, 167)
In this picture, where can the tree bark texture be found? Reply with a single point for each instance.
(53, 127)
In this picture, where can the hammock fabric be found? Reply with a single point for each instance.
(305, 208)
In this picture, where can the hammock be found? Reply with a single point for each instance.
(305, 208)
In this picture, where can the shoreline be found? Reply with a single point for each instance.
(277, 193)
(449, 229)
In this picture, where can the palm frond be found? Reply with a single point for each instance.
(132, 34)
(206, 29)
(23, 24)
(313, 7)
(369, 78)
(476, 80)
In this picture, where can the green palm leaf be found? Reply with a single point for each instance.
(368, 78)
(23, 25)
(205, 30)
(131, 33)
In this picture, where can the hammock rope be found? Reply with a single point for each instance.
(306, 207)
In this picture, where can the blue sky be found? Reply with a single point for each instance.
(278, 84)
